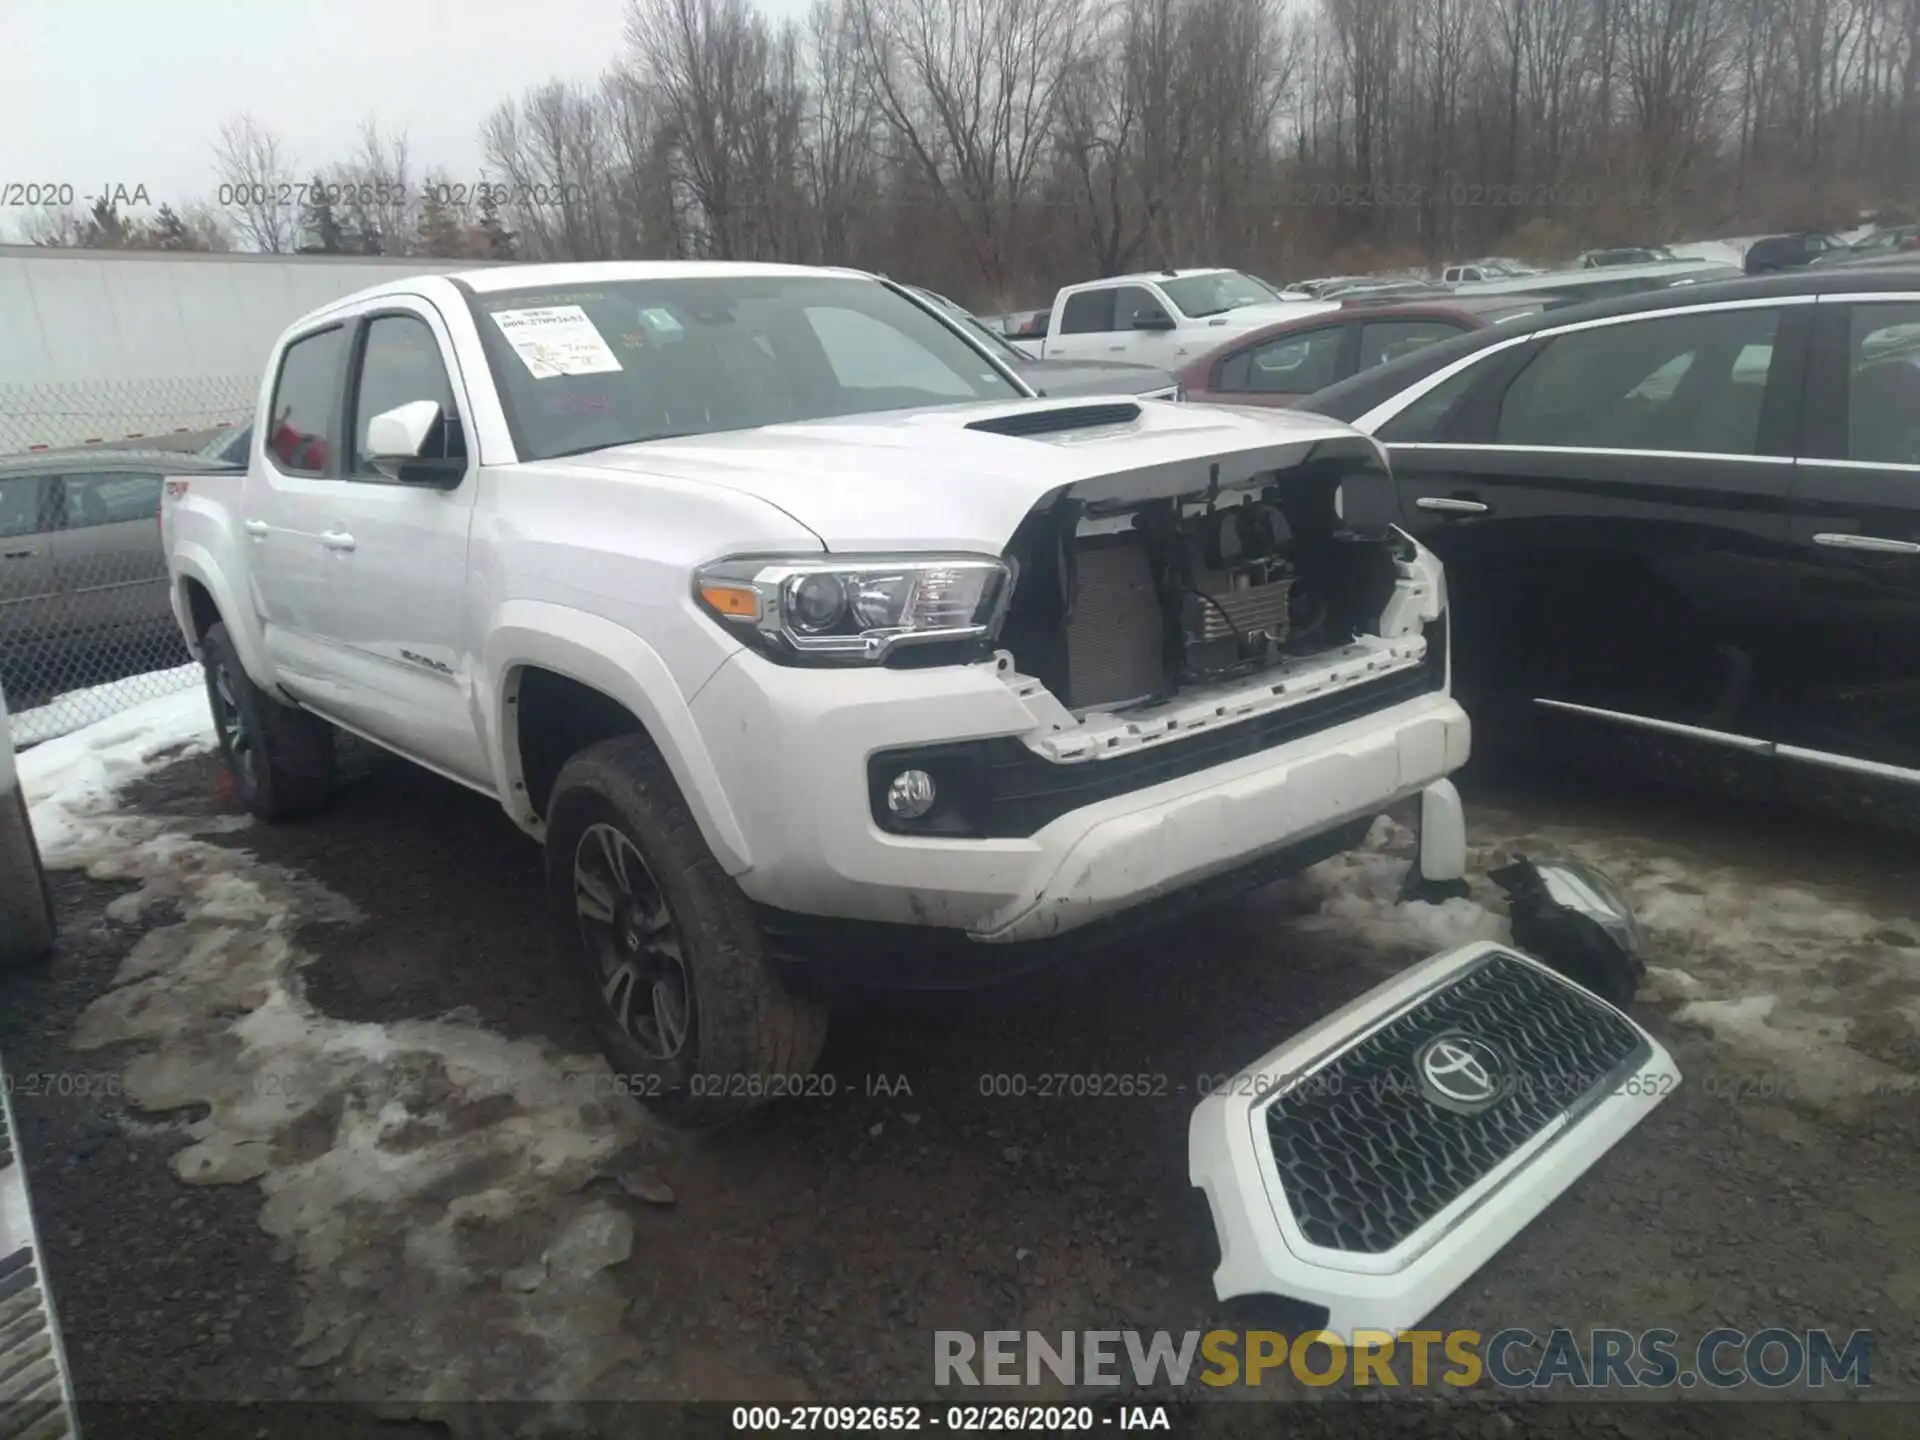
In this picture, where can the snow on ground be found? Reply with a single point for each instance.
(433, 1181)
(73, 710)
(70, 781)
(1809, 992)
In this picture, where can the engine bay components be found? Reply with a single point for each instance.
(1123, 605)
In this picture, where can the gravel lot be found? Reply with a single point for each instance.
(331, 1128)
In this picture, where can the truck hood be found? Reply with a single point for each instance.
(1055, 378)
(934, 480)
(1250, 317)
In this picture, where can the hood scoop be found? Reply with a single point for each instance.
(1055, 421)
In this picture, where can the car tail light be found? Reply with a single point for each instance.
(1912, 242)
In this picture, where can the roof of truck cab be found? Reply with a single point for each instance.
(1353, 397)
(599, 272)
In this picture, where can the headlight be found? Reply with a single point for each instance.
(855, 610)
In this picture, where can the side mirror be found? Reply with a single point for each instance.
(396, 437)
(1152, 320)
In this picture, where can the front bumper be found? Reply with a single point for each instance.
(792, 746)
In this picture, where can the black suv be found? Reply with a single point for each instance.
(1695, 511)
(1788, 252)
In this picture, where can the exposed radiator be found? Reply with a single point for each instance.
(1115, 634)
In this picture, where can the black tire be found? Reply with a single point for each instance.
(721, 1035)
(27, 927)
(280, 758)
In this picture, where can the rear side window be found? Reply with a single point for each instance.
(1288, 365)
(1088, 313)
(20, 506)
(1687, 383)
(110, 499)
(301, 434)
(1384, 340)
(1883, 385)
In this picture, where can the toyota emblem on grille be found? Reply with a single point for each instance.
(1461, 1072)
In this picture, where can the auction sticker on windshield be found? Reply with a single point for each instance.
(556, 340)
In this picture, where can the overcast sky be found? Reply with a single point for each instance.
(96, 93)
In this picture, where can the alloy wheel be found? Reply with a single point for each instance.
(630, 933)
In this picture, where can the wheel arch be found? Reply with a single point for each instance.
(562, 679)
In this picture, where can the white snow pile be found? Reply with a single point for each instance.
(74, 710)
(70, 781)
(1811, 994)
(1358, 894)
(433, 1181)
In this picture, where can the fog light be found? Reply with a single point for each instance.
(910, 795)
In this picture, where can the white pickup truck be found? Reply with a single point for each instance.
(1162, 317)
(809, 642)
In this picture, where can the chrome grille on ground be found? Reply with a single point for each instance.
(1368, 1149)
(36, 1397)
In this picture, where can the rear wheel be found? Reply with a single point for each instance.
(26, 905)
(281, 758)
(670, 957)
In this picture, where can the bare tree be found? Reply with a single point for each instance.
(970, 88)
(256, 173)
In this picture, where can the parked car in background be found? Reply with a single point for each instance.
(81, 570)
(1060, 377)
(1881, 245)
(1690, 512)
(1277, 365)
(1620, 255)
(229, 447)
(1162, 317)
(1787, 252)
(26, 905)
(1557, 289)
(1313, 289)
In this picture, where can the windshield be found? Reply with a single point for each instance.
(586, 367)
(1199, 295)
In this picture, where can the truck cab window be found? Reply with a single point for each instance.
(303, 417)
(401, 363)
(1088, 313)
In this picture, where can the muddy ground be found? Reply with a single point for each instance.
(318, 1120)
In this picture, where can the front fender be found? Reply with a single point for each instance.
(619, 664)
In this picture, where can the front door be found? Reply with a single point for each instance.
(30, 622)
(1854, 697)
(397, 557)
(1611, 512)
(107, 558)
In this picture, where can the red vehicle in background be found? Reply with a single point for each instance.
(1279, 364)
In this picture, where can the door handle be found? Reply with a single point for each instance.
(1451, 505)
(1875, 543)
(257, 528)
(26, 554)
(336, 539)
(1116, 347)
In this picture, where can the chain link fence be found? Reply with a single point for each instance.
(58, 415)
(86, 629)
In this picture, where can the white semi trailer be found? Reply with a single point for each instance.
(97, 346)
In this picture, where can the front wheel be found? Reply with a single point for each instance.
(671, 959)
(26, 905)
(280, 758)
